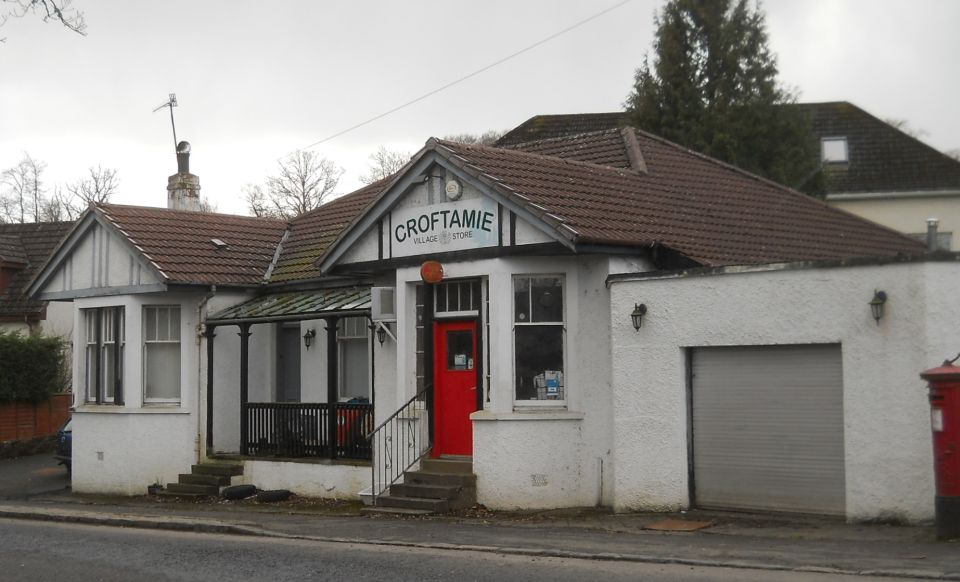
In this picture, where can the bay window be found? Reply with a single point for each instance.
(161, 354)
(538, 338)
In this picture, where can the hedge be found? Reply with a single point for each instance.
(31, 367)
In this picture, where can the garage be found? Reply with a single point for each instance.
(767, 424)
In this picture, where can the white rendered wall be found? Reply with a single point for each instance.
(909, 215)
(324, 480)
(887, 426)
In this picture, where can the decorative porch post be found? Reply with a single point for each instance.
(332, 375)
(210, 334)
(244, 383)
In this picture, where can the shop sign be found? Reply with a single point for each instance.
(440, 228)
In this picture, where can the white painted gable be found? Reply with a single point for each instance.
(427, 220)
(98, 261)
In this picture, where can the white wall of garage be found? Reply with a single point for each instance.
(888, 456)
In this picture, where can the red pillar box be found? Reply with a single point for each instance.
(945, 423)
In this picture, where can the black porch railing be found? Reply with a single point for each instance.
(301, 429)
(398, 443)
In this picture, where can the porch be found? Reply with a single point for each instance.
(318, 408)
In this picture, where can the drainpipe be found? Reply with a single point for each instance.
(201, 310)
(932, 224)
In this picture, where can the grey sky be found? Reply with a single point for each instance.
(257, 80)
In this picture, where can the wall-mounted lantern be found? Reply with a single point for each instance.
(876, 304)
(308, 338)
(381, 334)
(639, 310)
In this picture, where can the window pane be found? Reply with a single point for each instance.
(355, 369)
(163, 323)
(521, 299)
(174, 313)
(91, 371)
(162, 371)
(150, 324)
(547, 299)
(539, 362)
(460, 350)
(109, 358)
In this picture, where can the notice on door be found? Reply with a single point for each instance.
(439, 228)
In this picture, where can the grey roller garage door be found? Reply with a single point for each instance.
(768, 428)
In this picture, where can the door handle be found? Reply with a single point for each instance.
(473, 388)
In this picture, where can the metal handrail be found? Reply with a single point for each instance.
(398, 443)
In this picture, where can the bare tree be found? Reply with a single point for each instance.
(485, 139)
(49, 10)
(383, 163)
(23, 190)
(97, 188)
(304, 181)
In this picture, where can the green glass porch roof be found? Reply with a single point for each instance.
(297, 305)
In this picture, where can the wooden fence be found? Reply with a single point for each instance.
(22, 421)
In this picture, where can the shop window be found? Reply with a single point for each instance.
(538, 338)
(353, 346)
(161, 354)
(103, 354)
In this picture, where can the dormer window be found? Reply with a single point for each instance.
(833, 150)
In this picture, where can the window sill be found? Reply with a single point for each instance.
(113, 409)
(527, 414)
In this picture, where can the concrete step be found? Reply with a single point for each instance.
(193, 479)
(427, 491)
(431, 505)
(394, 511)
(222, 469)
(456, 465)
(441, 479)
(188, 488)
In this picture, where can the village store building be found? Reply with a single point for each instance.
(281, 344)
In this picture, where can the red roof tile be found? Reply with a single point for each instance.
(180, 243)
(35, 242)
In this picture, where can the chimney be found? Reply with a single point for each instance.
(932, 224)
(183, 188)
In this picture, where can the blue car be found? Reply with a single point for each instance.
(64, 452)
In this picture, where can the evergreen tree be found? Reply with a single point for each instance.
(713, 88)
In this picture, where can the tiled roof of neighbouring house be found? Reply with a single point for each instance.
(708, 211)
(179, 243)
(312, 233)
(29, 244)
(882, 158)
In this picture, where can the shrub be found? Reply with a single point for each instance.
(31, 366)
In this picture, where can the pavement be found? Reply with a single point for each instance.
(724, 539)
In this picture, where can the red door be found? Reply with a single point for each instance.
(455, 386)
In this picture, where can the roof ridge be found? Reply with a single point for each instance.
(556, 139)
(188, 212)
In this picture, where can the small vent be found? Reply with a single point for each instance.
(383, 304)
(218, 243)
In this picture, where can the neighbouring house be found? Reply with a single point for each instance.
(871, 168)
(599, 319)
(23, 250)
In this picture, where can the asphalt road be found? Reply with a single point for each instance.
(49, 552)
(31, 475)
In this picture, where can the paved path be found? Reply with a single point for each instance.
(33, 475)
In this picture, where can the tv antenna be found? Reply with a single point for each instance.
(171, 103)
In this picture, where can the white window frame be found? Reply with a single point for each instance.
(145, 342)
(824, 144)
(94, 324)
(342, 337)
(557, 403)
(445, 288)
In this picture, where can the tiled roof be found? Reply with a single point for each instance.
(11, 251)
(704, 209)
(312, 233)
(35, 242)
(542, 127)
(882, 158)
(607, 148)
(179, 243)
